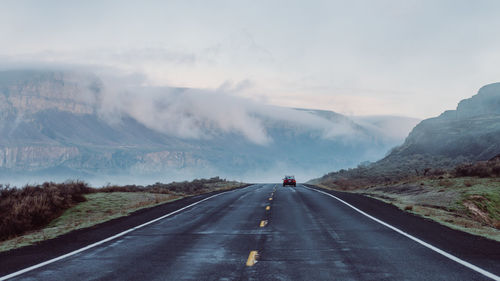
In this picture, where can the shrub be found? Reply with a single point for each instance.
(445, 182)
(32, 207)
(496, 225)
(496, 169)
(479, 169)
(193, 187)
(124, 188)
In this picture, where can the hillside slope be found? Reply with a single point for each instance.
(469, 133)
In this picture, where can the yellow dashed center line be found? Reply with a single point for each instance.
(252, 258)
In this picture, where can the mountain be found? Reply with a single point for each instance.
(63, 124)
(472, 131)
(468, 134)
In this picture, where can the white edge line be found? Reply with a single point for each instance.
(425, 244)
(17, 273)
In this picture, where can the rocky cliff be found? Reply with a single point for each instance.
(472, 131)
(28, 92)
(49, 121)
(33, 157)
(469, 133)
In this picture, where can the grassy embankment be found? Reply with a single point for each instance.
(35, 213)
(466, 198)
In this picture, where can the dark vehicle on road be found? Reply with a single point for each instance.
(289, 180)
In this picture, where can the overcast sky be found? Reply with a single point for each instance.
(400, 57)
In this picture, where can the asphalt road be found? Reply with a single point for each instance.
(308, 236)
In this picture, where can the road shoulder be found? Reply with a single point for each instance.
(477, 250)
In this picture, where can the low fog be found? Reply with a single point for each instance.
(205, 113)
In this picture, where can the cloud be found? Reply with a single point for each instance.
(423, 50)
(185, 113)
(188, 112)
(208, 113)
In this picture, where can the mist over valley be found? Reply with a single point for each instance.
(62, 124)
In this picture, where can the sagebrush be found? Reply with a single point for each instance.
(32, 207)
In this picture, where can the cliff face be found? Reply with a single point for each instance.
(35, 157)
(28, 92)
(54, 122)
(48, 120)
(485, 103)
(471, 131)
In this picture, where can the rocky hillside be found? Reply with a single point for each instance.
(58, 124)
(27, 92)
(469, 133)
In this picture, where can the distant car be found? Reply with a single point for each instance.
(289, 180)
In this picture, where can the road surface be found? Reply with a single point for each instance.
(269, 232)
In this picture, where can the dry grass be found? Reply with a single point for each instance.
(466, 197)
(444, 182)
(469, 204)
